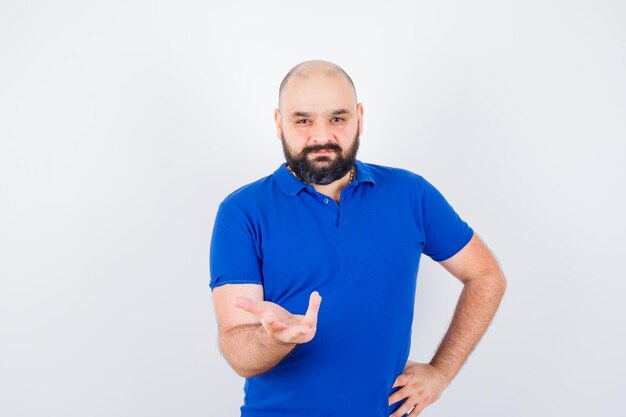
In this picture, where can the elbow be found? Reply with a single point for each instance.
(244, 373)
(241, 371)
(495, 281)
(499, 285)
(234, 363)
(502, 280)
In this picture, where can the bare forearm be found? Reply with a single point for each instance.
(475, 309)
(250, 351)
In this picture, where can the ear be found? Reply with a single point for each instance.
(359, 112)
(279, 122)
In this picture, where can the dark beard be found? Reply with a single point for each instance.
(310, 172)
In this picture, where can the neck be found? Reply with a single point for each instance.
(334, 188)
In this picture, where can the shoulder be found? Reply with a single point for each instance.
(396, 176)
(247, 197)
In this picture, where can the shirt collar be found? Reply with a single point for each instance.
(292, 186)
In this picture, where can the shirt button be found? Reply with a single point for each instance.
(325, 201)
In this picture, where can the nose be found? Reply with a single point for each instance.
(321, 134)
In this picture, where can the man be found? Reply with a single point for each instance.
(327, 226)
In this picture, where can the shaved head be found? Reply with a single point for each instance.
(314, 68)
(318, 122)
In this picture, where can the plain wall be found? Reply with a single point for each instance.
(124, 124)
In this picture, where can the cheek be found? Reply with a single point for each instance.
(347, 133)
(347, 139)
(297, 136)
(295, 143)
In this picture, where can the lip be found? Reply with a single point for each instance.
(323, 152)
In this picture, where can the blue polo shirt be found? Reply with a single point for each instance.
(362, 255)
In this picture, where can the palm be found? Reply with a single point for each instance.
(280, 323)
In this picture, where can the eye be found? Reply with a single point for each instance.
(338, 118)
(302, 120)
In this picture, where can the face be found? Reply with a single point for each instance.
(319, 124)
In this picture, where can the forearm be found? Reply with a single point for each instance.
(475, 309)
(250, 351)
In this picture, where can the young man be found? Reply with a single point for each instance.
(326, 225)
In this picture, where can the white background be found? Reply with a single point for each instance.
(124, 124)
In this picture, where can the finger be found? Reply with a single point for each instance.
(297, 333)
(275, 323)
(401, 410)
(402, 379)
(272, 325)
(404, 409)
(252, 306)
(304, 329)
(315, 299)
(241, 302)
(417, 410)
(398, 395)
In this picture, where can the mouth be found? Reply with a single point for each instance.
(323, 152)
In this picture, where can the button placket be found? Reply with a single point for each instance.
(342, 220)
(332, 210)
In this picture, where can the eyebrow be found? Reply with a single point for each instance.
(309, 114)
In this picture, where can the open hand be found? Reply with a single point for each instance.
(279, 323)
(422, 385)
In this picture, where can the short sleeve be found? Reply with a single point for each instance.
(444, 231)
(233, 257)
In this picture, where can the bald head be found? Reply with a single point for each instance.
(314, 68)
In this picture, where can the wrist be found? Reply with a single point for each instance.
(444, 373)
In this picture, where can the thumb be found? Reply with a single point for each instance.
(314, 306)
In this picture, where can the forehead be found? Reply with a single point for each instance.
(317, 94)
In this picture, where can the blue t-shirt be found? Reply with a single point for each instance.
(362, 256)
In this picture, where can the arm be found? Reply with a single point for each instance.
(255, 335)
(250, 351)
(242, 339)
(484, 285)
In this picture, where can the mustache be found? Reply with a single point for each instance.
(318, 148)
